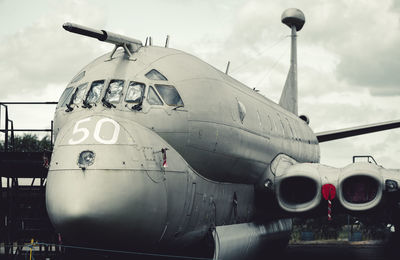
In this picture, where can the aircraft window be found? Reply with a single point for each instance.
(279, 126)
(79, 93)
(285, 130)
(273, 125)
(290, 127)
(270, 123)
(170, 95)
(242, 111)
(135, 92)
(66, 95)
(296, 135)
(95, 90)
(153, 98)
(155, 75)
(259, 119)
(114, 91)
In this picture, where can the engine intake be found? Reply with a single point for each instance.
(297, 187)
(360, 189)
(360, 186)
(298, 190)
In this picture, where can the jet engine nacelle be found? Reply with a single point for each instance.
(298, 185)
(359, 186)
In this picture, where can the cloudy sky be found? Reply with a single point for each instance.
(348, 56)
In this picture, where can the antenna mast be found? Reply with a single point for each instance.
(294, 18)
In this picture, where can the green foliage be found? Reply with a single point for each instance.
(338, 229)
(29, 143)
(374, 231)
(321, 227)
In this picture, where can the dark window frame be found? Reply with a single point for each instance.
(67, 97)
(162, 97)
(73, 97)
(157, 94)
(91, 87)
(143, 92)
(108, 87)
(155, 72)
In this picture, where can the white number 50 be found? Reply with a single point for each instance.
(96, 133)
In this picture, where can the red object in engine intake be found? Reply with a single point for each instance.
(328, 191)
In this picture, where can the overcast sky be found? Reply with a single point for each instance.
(348, 56)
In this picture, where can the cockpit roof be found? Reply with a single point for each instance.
(177, 66)
(173, 64)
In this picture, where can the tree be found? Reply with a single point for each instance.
(29, 143)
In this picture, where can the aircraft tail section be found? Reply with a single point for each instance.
(289, 95)
(294, 18)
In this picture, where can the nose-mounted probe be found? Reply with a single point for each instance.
(129, 45)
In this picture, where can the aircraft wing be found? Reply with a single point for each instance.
(358, 130)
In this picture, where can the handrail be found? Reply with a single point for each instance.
(368, 157)
(5, 126)
(29, 103)
(12, 134)
(7, 121)
(29, 129)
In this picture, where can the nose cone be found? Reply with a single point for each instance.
(102, 207)
(110, 202)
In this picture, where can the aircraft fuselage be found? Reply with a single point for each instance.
(219, 144)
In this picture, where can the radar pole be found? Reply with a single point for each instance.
(294, 18)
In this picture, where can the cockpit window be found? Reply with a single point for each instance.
(79, 93)
(155, 75)
(153, 98)
(135, 92)
(93, 95)
(114, 91)
(170, 95)
(66, 95)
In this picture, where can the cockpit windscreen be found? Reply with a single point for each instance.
(155, 75)
(95, 90)
(79, 93)
(65, 97)
(114, 91)
(134, 93)
(170, 95)
(153, 98)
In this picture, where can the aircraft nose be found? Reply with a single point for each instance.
(98, 188)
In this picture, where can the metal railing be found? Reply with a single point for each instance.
(9, 124)
(368, 158)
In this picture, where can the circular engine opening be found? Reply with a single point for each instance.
(298, 190)
(359, 189)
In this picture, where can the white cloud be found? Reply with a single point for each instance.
(41, 54)
(347, 61)
(40, 59)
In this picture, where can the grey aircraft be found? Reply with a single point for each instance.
(158, 151)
